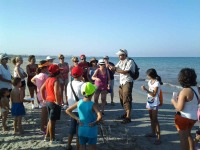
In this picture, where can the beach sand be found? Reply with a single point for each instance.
(116, 135)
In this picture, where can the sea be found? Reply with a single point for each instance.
(167, 68)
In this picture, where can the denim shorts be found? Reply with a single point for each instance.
(90, 141)
(73, 125)
(54, 111)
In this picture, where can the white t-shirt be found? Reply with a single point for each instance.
(153, 101)
(5, 73)
(125, 65)
(21, 71)
(77, 89)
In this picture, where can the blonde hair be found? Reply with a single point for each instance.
(60, 55)
(74, 59)
(16, 59)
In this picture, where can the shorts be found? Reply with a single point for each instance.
(54, 111)
(182, 123)
(73, 125)
(42, 103)
(148, 106)
(111, 85)
(125, 95)
(17, 109)
(90, 141)
(30, 84)
(23, 83)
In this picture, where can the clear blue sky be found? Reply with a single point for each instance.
(100, 27)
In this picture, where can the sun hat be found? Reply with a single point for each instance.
(101, 62)
(53, 68)
(3, 56)
(88, 89)
(121, 52)
(106, 57)
(93, 59)
(82, 56)
(77, 72)
(75, 59)
(43, 63)
(49, 58)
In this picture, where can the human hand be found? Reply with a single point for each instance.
(97, 79)
(143, 88)
(79, 122)
(92, 124)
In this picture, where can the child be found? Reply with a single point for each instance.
(153, 102)
(4, 92)
(17, 109)
(87, 130)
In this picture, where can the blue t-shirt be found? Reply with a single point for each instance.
(86, 116)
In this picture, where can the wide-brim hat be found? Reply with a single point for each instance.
(121, 52)
(44, 63)
(93, 59)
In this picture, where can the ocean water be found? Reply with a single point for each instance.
(166, 67)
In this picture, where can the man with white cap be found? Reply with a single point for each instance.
(126, 83)
(50, 59)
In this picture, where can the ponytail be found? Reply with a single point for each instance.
(158, 78)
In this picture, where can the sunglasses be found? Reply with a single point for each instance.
(75, 61)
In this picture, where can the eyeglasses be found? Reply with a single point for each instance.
(61, 58)
(83, 59)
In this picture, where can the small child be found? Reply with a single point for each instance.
(87, 129)
(17, 110)
(4, 92)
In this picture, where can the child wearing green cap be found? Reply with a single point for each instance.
(89, 116)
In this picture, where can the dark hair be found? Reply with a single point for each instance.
(31, 57)
(153, 74)
(55, 74)
(187, 77)
(39, 69)
(16, 81)
(3, 91)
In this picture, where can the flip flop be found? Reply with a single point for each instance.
(126, 120)
(157, 142)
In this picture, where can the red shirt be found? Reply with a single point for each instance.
(50, 89)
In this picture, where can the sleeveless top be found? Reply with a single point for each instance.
(65, 70)
(50, 89)
(102, 85)
(190, 108)
(21, 71)
(32, 70)
(86, 116)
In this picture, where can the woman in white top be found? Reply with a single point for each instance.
(186, 106)
(153, 102)
(19, 72)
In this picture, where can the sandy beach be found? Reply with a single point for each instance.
(116, 135)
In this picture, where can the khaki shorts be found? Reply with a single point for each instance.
(125, 95)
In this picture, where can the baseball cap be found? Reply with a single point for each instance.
(101, 62)
(82, 56)
(3, 56)
(121, 52)
(88, 89)
(76, 72)
(49, 58)
(53, 68)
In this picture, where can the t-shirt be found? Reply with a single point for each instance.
(153, 101)
(5, 73)
(111, 72)
(40, 79)
(77, 89)
(85, 66)
(126, 65)
(86, 116)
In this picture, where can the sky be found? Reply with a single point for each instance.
(146, 28)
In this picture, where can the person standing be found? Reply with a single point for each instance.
(50, 91)
(85, 65)
(31, 72)
(126, 83)
(92, 68)
(111, 91)
(64, 76)
(186, 105)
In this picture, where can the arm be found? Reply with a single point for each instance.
(42, 91)
(19, 74)
(88, 74)
(99, 116)
(57, 92)
(179, 105)
(69, 112)
(94, 77)
(33, 80)
(4, 80)
(153, 93)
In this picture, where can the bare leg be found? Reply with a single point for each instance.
(155, 124)
(15, 124)
(82, 147)
(52, 129)
(20, 124)
(184, 139)
(47, 130)
(92, 147)
(96, 97)
(44, 118)
(103, 100)
(77, 140)
(4, 119)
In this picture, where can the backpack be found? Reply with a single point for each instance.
(136, 73)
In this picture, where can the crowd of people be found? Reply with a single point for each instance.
(56, 91)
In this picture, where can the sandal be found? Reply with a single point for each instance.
(151, 135)
(122, 116)
(126, 120)
(157, 142)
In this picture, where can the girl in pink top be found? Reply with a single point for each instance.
(102, 81)
(38, 80)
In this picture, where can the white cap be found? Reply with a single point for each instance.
(49, 58)
(101, 62)
(3, 56)
(121, 52)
